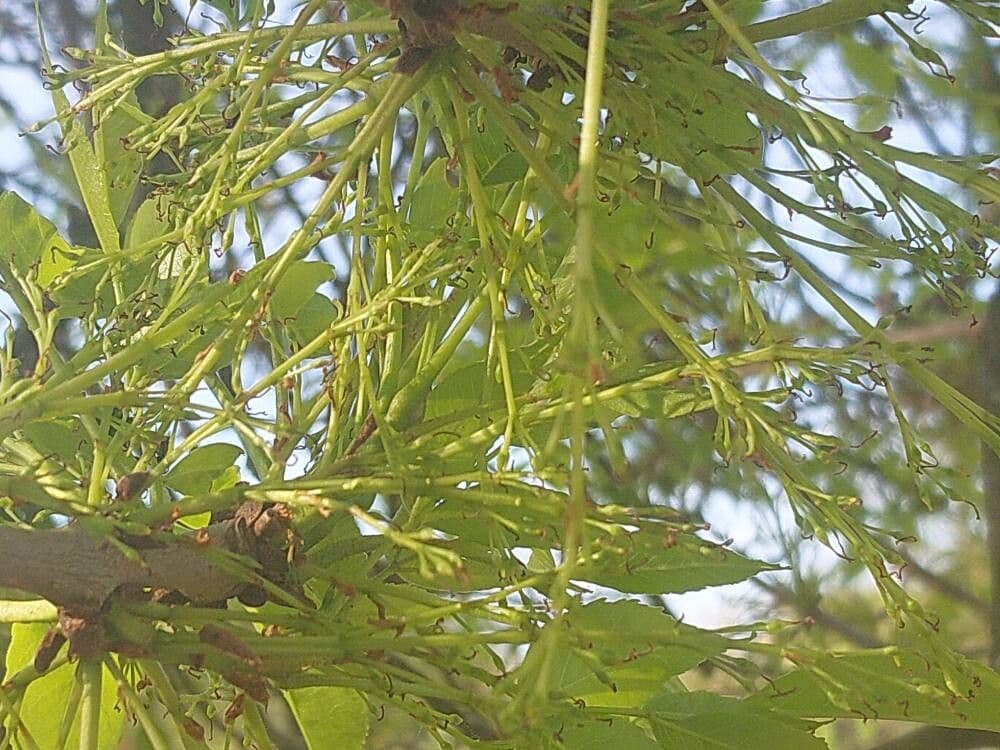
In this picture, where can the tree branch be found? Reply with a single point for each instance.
(79, 571)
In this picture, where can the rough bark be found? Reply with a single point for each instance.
(79, 571)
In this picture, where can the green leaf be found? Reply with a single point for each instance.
(101, 27)
(692, 121)
(314, 317)
(495, 156)
(151, 220)
(196, 520)
(45, 698)
(33, 241)
(184, 354)
(201, 467)
(904, 687)
(482, 567)
(463, 386)
(61, 440)
(28, 236)
(463, 389)
(572, 676)
(90, 174)
(706, 721)
(652, 566)
(621, 628)
(472, 527)
(638, 647)
(58, 257)
(921, 52)
(122, 166)
(603, 734)
(434, 199)
(227, 479)
(79, 293)
(330, 717)
(296, 286)
(510, 167)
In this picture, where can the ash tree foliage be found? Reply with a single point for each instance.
(242, 477)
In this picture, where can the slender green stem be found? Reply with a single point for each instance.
(34, 610)
(735, 32)
(821, 17)
(255, 728)
(90, 673)
(169, 698)
(151, 726)
(581, 345)
(70, 712)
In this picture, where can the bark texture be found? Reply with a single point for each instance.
(79, 571)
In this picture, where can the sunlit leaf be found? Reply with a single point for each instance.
(122, 164)
(330, 717)
(29, 237)
(644, 567)
(706, 721)
(46, 697)
(201, 467)
(902, 687)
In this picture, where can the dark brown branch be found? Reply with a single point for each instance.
(427, 26)
(73, 569)
(79, 571)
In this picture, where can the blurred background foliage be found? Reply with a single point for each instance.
(950, 516)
